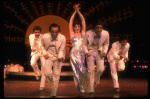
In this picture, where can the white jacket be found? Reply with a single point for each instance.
(60, 44)
(103, 42)
(31, 40)
(115, 50)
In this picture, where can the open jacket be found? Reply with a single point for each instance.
(60, 44)
(103, 42)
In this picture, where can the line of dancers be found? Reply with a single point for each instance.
(92, 45)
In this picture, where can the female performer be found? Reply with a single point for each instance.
(77, 56)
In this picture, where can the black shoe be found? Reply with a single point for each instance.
(91, 95)
(81, 95)
(116, 89)
(53, 97)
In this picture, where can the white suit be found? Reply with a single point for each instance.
(54, 49)
(36, 44)
(93, 46)
(115, 62)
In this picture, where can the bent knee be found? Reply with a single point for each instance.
(101, 70)
(47, 74)
(33, 64)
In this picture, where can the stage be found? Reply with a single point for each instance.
(129, 88)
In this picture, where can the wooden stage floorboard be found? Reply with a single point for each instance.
(129, 88)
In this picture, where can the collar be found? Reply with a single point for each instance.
(36, 38)
(52, 38)
(119, 44)
(95, 35)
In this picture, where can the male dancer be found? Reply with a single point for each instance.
(53, 47)
(116, 56)
(95, 45)
(35, 43)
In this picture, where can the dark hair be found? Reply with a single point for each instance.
(98, 22)
(77, 23)
(54, 25)
(37, 28)
(123, 38)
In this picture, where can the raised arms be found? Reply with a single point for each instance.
(76, 7)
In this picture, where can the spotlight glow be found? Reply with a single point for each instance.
(134, 66)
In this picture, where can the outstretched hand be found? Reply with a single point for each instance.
(76, 7)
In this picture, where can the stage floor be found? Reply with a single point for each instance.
(129, 88)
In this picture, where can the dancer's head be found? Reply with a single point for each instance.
(37, 30)
(77, 27)
(98, 27)
(54, 30)
(123, 40)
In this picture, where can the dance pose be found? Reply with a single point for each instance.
(53, 48)
(35, 43)
(95, 44)
(116, 56)
(77, 55)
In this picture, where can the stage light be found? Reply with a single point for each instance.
(139, 66)
(105, 60)
(5, 66)
(137, 61)
(145, 66)
(134, 66)
(142, 66)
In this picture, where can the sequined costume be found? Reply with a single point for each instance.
(77, 60)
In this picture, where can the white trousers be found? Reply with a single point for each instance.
(37, 72)
(94, 77)
(115, 66)
(53, 75)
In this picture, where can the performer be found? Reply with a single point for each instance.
(95, 44)
(77, 55)
(35, 43)
(53, 48)
(116, 56)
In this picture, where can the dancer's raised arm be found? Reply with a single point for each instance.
(82, 20)
(71, 25)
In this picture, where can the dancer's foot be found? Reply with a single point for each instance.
(37, 77)
(116, 89)
(41, 88)
(91, 95)
(53, 97)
